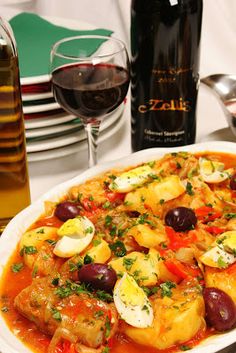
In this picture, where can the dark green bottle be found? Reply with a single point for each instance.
(165, 41)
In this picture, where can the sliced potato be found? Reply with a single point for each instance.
(147, 237)
(176, 320)
(154, 194)
(100, 252)
(37, 236)
(32, 240)
(222, 279)
(144, 267)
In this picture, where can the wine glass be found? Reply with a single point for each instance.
(90, 78)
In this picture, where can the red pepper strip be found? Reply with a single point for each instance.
(214, 230)
(88, 205)
(233, 194)
(182, 271)
(111, 342)
(207, 214)
(176, 268)
(179, 240)
(65, 347)
(115, 196)
(231, 269)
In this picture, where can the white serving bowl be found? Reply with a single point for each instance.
(19, 224)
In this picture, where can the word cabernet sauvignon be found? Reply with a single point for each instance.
(165, 40)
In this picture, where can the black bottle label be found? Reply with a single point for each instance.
(164, 74)
(167, 116)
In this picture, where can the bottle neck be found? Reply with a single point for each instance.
(7, 40)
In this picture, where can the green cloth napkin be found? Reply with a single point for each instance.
(35, 37)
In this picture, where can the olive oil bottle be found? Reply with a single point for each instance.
(165, 41)
(14, 180)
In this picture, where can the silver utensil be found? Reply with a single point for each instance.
(224, 87)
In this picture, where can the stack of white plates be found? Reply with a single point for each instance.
(61, 134)
(50, 131)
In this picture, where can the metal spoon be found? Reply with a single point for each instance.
(224, 86)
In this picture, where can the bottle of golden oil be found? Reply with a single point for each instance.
(165, 40)
(14, 180)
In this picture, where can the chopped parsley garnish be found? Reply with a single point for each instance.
(55, 281)
(221, 240)
(51, 242)
(143, 218)
(184, 347)
(41, 231)
(104, 296)
(121, 232)
(107, 327)
(108, 220)
(153, 176)
(113, 230)
(98, 314)
(151, 164)
(89, 230)
(189, 189)
(146, 308)
(229, 215)
(166, 288)
(35, 271)
(96, 242)
(150, 291)
(221, 263)
(56, 314)
(29, 250)
(75, 266)
(106, 205)
(118, 248)
(63, 292)
(87, 259)
(128, 262)
(17, 267)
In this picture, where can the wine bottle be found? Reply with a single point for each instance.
(165, 50)
(14, 180)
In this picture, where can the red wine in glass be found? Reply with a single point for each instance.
(90, 91)
(90, 78)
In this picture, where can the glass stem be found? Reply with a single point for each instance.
(92, 130)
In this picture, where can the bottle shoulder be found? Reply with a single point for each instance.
(158, 6)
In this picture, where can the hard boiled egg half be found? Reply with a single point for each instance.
(213, 171)
(132, 303)
(223, 253)
(130, 180)
(76, 234)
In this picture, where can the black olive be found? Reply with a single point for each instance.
(220, 309)
(99, 276)
(181, 219)
(67, 210)
(232, 183)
